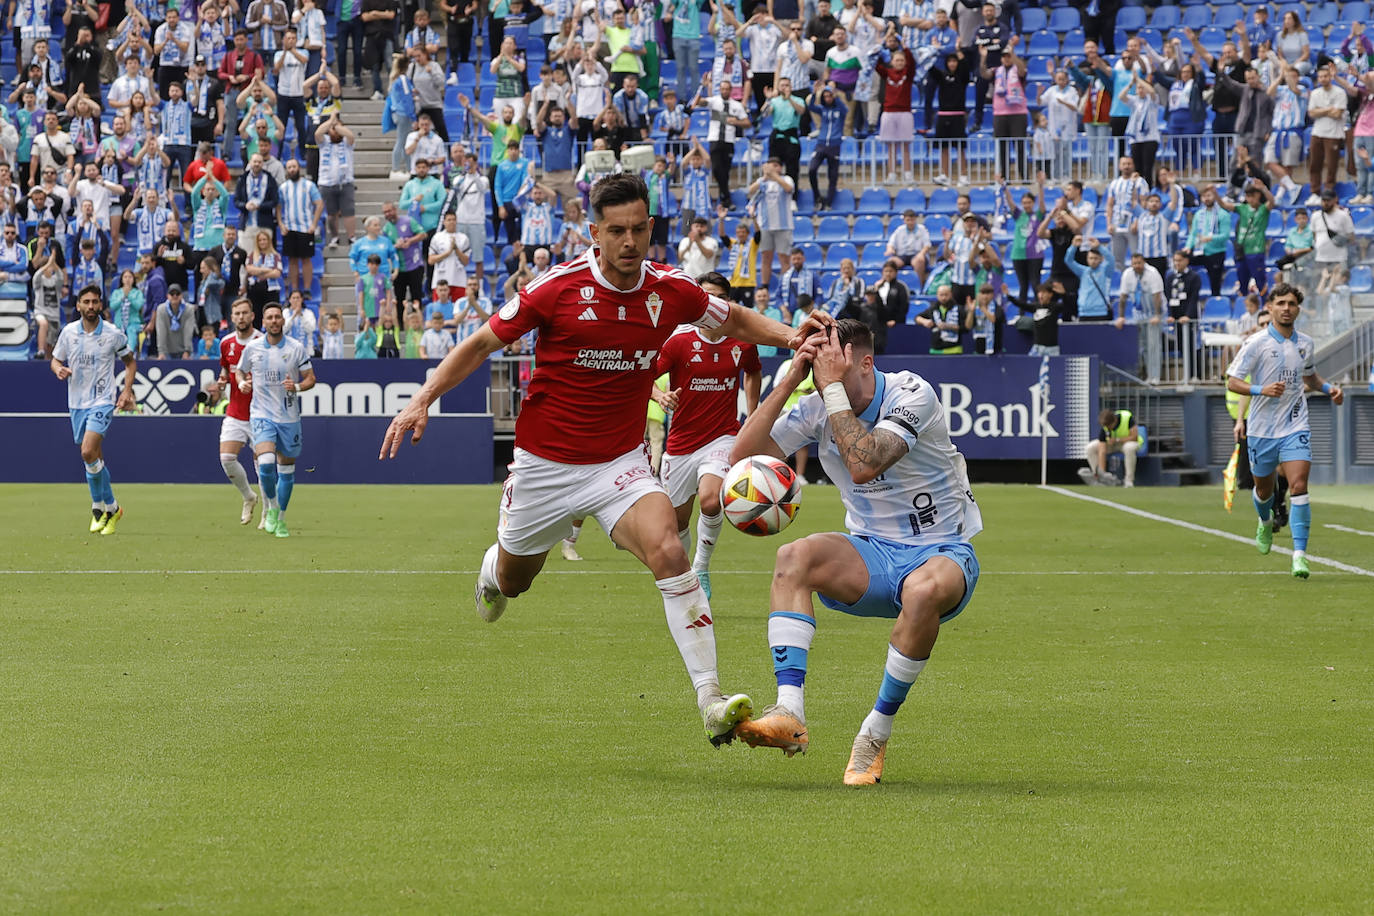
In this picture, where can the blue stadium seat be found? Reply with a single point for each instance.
(844, 201)
(813, 252)
(1064, 18)
(1337, 36)
(1033, 19)
(942, 200)
(1196, 18)
(1345, 189)
(832, 229)
(909, 198)
(1152, 37)
(1355, 11)
(874, 200)
(1363, 217)
(803, 231)
(838, 251)
(1212, 38)
(1044, 42)
(1130, 18)
(873, 255)
(1041, 67)
(1275, 229)
(1165, 18)
(936, 224)
(982, 199)
(1361, 279)
(1073, 40)
(1319, 16)
(1217, 308)
(1226, 15)
(868, 229)
(806, 201)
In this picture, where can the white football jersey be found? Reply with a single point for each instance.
(1267, 357)
(925, 497)
(270, 365)
(93, 359)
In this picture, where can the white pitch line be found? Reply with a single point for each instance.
(1368, 534)
(605, 572)
(1325, 561)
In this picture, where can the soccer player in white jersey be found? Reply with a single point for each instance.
(1278, 363)
(276, 369)
(602, 319)
(85, 357)
(704, 369)
(235, 430)
(910, 513)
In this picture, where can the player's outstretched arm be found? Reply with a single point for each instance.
(461, 362)
(1314, 382)
(755, 328)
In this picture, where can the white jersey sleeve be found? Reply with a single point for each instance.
(92, 358)
(801, 425)
(1268, 357)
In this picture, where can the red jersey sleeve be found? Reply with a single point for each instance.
(749, 360)
(667, 355)
(527, 311)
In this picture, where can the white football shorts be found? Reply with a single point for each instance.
(540, 498)
(232, 429)
(682, 473)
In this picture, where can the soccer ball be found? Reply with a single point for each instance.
(760, 495)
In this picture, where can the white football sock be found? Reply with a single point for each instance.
(791, 696)
(685, 536)
(708, 532)
(487, 577)
(236, 474)
(899, 672)
(572, 538)
(689, 620)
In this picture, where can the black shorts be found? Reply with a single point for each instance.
(659, 234)
(950, 127)
(298, 244)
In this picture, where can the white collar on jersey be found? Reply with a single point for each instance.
(592, 258)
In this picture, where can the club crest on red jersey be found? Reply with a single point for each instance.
(735, 353)
(654, 303)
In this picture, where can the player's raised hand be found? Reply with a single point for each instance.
(414, 417)
(1337, 395)
(831, 362)
(817, 322)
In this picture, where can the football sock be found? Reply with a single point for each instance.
(572, 538)
(708, 532)
(1300, 520)
(689, 620)
(286, 482)
(789, 636)
(685, 536)
(1262, 507)
(899, 674)
(486, 577)
(111, 504)
(267, 476)
(96, 485)
(236, 474)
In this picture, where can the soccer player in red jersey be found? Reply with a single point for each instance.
(601, 318)
(234, 433)
(703, 393)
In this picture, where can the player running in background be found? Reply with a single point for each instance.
(234, 430)
(703, 371)
(276, 369)
(910, 512)
(602, 319)
(1278, 362)
(84, 358)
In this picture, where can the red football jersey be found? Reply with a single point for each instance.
(230, 348)
(594, 356)
(708, 374)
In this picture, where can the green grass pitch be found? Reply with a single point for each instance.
(1130, 717)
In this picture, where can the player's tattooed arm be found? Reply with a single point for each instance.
(867, 453)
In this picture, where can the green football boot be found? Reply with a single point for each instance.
(1264, 537)
(270, 526)
(1300, 567)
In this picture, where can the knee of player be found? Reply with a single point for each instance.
(793, 561)
(710, 501)
(90, 453)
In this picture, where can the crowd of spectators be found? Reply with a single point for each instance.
(184, 154)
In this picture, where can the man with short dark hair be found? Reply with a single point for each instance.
(884, 442)
(601, 318)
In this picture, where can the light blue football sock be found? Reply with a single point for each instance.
(1300, 520)
(111, 503)
(286, 482)
(93, 480)
(267, 475)
(1262, 507)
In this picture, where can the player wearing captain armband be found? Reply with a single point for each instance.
(1279, 364)
(910, 512)
(602, 319)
